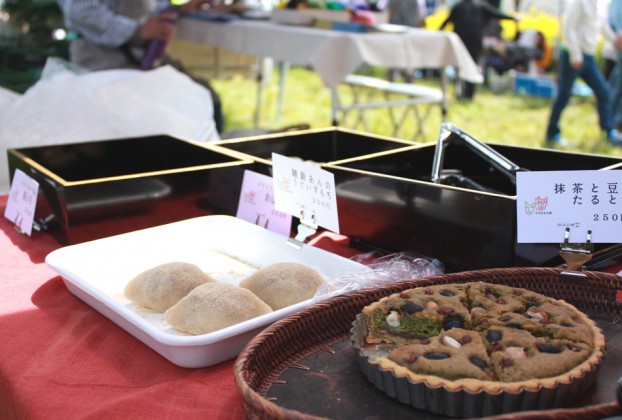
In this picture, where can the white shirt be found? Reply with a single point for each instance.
(583, 25)
(102, 22)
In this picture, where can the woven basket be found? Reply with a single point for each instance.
(287, 341)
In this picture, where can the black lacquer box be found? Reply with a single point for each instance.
(320, 146)
(95, 189)
(454, 201)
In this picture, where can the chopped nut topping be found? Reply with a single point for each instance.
(478, 311)
(537, 313)
(393, 319)
(430, 305)
(451, 342)
(515, 353)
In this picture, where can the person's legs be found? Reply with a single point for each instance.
(567, 76)
(390, 76)
(468, 91)
(608, 68)
(592, 75)
(474, 47)
(615, 82)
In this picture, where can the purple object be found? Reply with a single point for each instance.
(154, 48)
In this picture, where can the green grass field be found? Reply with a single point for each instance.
(493, 116)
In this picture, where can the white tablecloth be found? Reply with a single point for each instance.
(334, 54)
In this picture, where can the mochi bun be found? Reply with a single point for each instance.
(162, 286)
(283, 284)
(213, 306)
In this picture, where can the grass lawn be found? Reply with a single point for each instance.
(498, 117)
(493, 116)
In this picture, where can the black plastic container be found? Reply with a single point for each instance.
(100, 188)
(466, 217)
(321, 146)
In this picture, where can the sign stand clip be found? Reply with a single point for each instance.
(306, 228)
(576, 256)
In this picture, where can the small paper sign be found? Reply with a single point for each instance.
(303, 187)
(257, 204)
(20, 207)
(548, 202)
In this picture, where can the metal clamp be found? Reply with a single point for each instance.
(576, 256)
(42, 224)
(450, 134)
(306, 228)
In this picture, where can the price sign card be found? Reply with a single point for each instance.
(300, 186)
(256, 204)
(549, 202)
(20, 207)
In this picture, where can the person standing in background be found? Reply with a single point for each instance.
(112, 34)
(469, 18)
(582, 27)
(410, 13)
(614, 12)
(407, 12)
(610, 57)
(430, 6)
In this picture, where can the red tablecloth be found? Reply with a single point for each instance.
(60, 359)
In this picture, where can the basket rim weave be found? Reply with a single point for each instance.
(595, 296)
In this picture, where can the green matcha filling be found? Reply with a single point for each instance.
(409, 325)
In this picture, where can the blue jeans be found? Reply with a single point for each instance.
(615, 82)
(593, 77)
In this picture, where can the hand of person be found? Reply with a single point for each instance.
(161, 27)
(193, 6)
(576, 64)
(618, 41)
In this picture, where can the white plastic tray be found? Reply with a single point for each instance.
(227, 248)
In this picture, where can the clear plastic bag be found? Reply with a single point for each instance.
(383, 270)
(68, 105)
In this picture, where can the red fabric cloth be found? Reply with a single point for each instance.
(61, 359)
(335, 243)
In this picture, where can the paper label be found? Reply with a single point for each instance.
(548, 202)
(304, 187)
(256, 204)
(20, 207)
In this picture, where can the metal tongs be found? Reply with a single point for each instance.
(449, 135)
